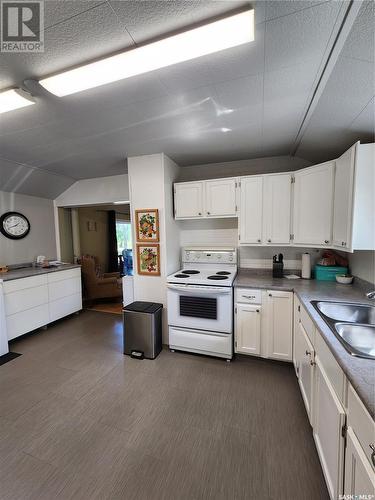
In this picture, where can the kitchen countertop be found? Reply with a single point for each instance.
(359, 371)
(26, 272)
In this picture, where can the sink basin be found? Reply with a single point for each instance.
(359, 340)
(351, 313)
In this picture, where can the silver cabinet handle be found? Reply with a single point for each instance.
(199, 213)
(249, 296)
(257, 310)
(312, 363)
(326, 241)
(308, 353)
(259, 241)
(208, 213)
(372, 447)
(270, 295)
(269, 241)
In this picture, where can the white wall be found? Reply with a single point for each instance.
(95, 191)
(40, 240)
(242, 167)
(150, 185)
(362, 264)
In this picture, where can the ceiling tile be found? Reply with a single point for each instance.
(361, 41)
(299, 37)
(277, 8)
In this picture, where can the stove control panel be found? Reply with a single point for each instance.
(213, 256)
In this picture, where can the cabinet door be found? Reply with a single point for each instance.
(251, 193)
(247, 333)
(304, 357)
(221, 198)
(312, 212)
(329, 419)
(188, 200)
(343, 200)
(276, 209)
(280, 324)
(359, 477)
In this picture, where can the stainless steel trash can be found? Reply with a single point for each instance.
(143, 329)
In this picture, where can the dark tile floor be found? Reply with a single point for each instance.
(78, 420)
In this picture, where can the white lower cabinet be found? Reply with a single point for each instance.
(36, 301)
(248, 329)
(328, 425)
(304, 365)
(359, 476)
(264, 323)
(279, 325)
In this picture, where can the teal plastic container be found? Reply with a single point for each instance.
(328, 273)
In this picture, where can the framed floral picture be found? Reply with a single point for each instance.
(147, 225)
(148, 259)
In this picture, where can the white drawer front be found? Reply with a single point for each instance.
(196, 341)
(28, 298)
(334, 373)
(62, 307)
(64, 288)
(64, 275)
(26, 321)
(248, 296)
(23, 283)
(361, 422)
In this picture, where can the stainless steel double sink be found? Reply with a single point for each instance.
(353, 325)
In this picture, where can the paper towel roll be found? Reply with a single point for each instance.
(306, 266)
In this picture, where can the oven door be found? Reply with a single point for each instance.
(200, 307)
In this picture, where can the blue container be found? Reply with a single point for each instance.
(328, 273)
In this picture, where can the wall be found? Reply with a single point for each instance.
(65, 232)
(40, 240)
(94, 242)
(95, 191)
(150, 183)
(362, 264)
(242, 167)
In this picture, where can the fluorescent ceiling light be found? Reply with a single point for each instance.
(13, 99)
(207, 39)
(120, 202)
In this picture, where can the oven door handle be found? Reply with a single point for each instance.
(202, 290)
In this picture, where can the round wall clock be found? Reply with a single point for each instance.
(14, 225)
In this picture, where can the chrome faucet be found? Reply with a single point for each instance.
(371, 295)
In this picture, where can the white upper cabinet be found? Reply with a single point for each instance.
(221, 198)
(354, 199)
(251, 210)
(188, 199)
(276, 209)
(312, 211)
(343, 199)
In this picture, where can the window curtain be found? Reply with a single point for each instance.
(112, 242)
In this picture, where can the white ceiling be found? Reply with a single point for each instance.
(259, 91)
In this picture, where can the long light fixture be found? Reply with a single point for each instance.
(13, 99)
(219, 35)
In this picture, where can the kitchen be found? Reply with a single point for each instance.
(301, 364)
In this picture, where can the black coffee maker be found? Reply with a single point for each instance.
(278, 266)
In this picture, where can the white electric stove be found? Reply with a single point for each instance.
(200, 302)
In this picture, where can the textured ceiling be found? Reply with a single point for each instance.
(244, 102)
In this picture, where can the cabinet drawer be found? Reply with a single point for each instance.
(64, 275)
(334, 373)
(28, 298)
(361, 422)
(64, 288)
(26, 321)
(307, 323)
(248, 296)
(64, 306)
(24, 283)
(195, 341)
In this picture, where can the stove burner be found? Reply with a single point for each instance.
(181, 275)
(223, 273)
(216, 277)
(190, 271)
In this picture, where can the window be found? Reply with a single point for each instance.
(124, 236)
